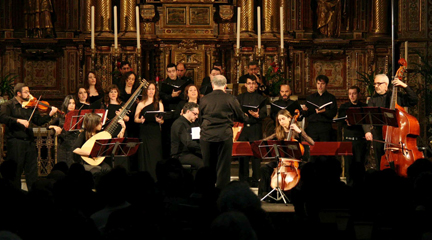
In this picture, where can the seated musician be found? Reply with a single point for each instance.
(92, 125)
(183, 147)
(281, 133)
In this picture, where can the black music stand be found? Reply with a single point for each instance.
(276, 150)
(115, 147)
(376, 116)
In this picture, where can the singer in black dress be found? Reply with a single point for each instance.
(150, 151)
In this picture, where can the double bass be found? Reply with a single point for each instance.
(110, 129)
(400, 144)
(289, 172)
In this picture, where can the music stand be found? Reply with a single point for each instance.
(276, 150)
(74, 119)
(377, 116)
(115, 147)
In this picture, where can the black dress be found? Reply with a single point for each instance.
(66, 141)
(150, 151)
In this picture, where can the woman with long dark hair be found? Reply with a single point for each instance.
(283, 127)
(150, 151)
(65, 139)
(94, 89)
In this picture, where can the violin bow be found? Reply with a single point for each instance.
(35, 107)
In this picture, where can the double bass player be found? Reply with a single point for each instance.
(382, 98)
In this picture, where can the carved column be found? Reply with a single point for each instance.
(103, 15)
(247, 19)
(380, 15)
(86, 16)
(270, 15)
(127, 16)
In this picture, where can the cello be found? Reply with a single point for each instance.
(289, 172)
(400, 144)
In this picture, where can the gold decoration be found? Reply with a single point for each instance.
(103, 16)
(329, 17)
(226, 12)
(247, 16)
(270, 16)
(127, 16)
(86, 21)
(380, 22)
(147, 12)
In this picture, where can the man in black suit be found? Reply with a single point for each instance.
(206, 86)
(218, 111)
(354, 165)
(252, 129)
(183, 147)
(170, 99)
(181, 73)
(284, 102)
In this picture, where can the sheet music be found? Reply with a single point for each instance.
(319, 107)
(196, 133)
(339, 119)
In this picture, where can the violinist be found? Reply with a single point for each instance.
(282, 130)
(382, 98)
(20, 143)
(66, 139)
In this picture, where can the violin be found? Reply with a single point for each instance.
(42, 106)
(289, 172)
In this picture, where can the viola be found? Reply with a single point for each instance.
(289, 172)
(400, 143)
(42, 106)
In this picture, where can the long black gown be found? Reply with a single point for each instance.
(150, 151)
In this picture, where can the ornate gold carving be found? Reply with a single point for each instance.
(103, 16)
(40, 73)
(147, 12)
(188, 44)
(380, 20)
(86, 16)
(329, 17)
(270, 15)
(247, 16)
(226, 12)
(127, 16)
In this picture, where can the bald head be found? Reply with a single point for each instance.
(285, 92)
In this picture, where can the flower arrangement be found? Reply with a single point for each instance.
(274, 78)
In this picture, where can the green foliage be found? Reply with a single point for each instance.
(274, 78)
(7, 84)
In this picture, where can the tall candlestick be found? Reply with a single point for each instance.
(92, 27)
(138, 27)
(238, 27)
(115, 28)
(281, 28)
(259, 26)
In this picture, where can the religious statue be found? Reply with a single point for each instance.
(38, 20)
(329, 17)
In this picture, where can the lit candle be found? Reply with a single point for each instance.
(138, 27)
(259, 27)
(238, 27)
(115, 28)
(92, 28)
(281, 27)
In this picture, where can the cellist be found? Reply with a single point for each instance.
(283, 127)
(382, 98)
